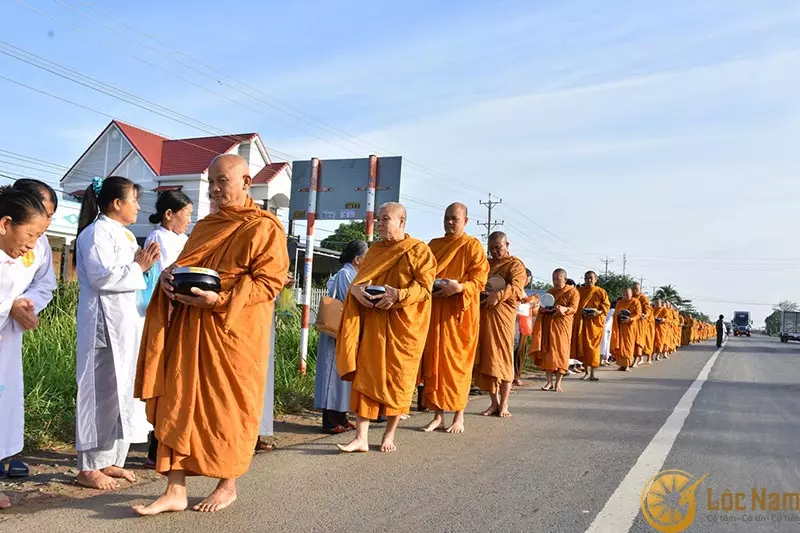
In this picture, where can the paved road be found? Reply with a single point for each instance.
(552, 467)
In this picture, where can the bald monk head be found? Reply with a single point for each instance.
(637, 289)
(590, 279)
(455, 220)
(228, 180)
(559, 278)
(392, 222)
(627, 294)
(498, 245)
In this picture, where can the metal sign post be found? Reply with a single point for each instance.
(311, 217)
(343, 200)
(372, 183)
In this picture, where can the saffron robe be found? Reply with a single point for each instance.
(494, 361)
(557, 330)
(646, 334)
(449, 354)
(587, 332)
(380, 350)
(625, 334)
(202, 372)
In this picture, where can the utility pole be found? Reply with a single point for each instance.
(490, 224)
(607, 261)
(641, 281)
(624, 264)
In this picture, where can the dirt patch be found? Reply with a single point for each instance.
(53, 471)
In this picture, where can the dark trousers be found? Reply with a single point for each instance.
(152, 447)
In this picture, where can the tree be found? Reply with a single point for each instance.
(670, 294)
(541, 285)
(786, 305)
(615, 284)
(773, 322)
(346, 232)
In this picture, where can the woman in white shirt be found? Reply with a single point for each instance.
(173, 215)
(23, 220)
(111, 269)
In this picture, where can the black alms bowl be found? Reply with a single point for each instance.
(375, 290)
(184, 278)
(624, 314)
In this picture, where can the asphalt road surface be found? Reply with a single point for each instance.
(571, 462)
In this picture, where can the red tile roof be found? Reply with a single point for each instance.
(169, 157)
(147, 144)
(164, 188)
(266, 174)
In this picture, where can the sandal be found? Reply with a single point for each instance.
(18, 469)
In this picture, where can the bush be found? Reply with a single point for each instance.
(48, 358)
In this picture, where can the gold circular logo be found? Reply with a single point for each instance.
(27, 258)
(668, 500)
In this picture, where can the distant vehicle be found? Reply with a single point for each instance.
(728, 328)
(790, 326)
(741, 323)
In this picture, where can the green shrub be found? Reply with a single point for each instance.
(48, 356)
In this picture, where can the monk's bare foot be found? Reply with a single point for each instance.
(559, 389)
(458, 424)
(388, 444)
(172, 501)
(119, 473)
(547, 386)
(220, 497)
(436, 423)
(491, 411)
(585, 376)
(5, 502)
(95, 479)
(355, 446)
(504, 412)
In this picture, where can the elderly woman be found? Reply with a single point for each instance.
(331, 394)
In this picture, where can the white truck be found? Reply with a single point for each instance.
(790, 326)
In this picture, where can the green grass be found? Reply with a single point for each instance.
(48, 355)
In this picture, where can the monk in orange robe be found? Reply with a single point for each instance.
(381, 338)
(587, 329)
(646, 327)
(686, 330)
(461, 273)
(661, 316)
(494, 362)
(202, 365)
(624, 333)
(557, 330)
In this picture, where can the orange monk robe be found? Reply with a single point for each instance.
(661, 316)
(557, 330)
(202, 372)
(646, 327)
(494, 361)
(380, 350)
(449, 354)
(625, 334)
(587, 332)
(686, 331)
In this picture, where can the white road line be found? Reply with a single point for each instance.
(622, 507)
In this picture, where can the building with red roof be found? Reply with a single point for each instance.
(158, 164)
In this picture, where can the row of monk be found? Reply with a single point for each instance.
(445, 315)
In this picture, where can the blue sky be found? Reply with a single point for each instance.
(664, 130)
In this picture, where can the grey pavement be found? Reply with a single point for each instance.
(551, 467)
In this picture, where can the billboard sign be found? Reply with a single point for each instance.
(342, 187)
